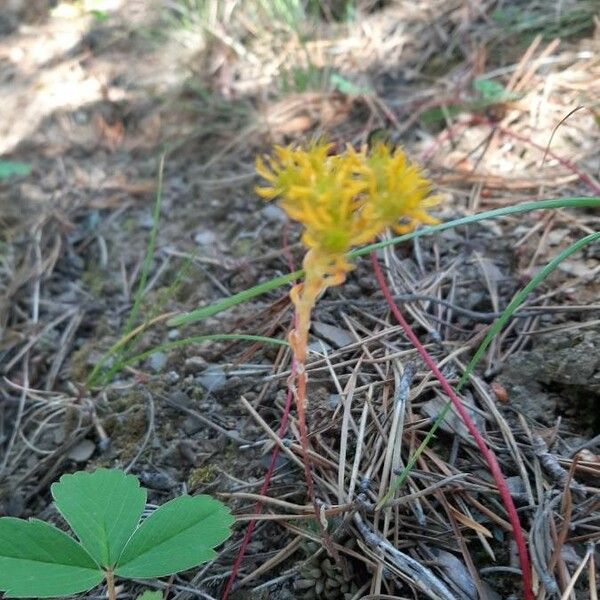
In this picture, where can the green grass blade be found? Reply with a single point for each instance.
(8, 168)
(258, 290)
(199, 339)
(150, 595)
(519, 298)
(128, 347)
(505, 211)
(498, 324)
(106, 377)
(230, 301)
(119, 349)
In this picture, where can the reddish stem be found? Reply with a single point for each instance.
(263, 490)
(565, 162)
(488, 455)
(310, 485)
(303, 431)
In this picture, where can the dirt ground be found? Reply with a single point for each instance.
(497, 100)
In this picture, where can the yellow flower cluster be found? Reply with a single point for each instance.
(345, 200)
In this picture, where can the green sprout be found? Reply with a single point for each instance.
(103, 508)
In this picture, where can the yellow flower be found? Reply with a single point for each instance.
(398, 190)
(345, 200)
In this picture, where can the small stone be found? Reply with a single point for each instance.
(205, 238)
(180, 398)
(174, 334)
(157, 361)
(82, 451)
(81, 117)
(452, 423)
(333, 401)
(556, 236)
(313, 573)
(193, 364)
(319, 347)
(336, 335)
(520, 230)
(576, 269)
(157, 481)
(255, 547)
(303, 584)
(191, 425)
(274, 214)
(146, 221)
(172, 377)
(351, 289)
(212, 379)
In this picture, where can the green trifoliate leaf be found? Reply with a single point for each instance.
(179, 535)
(39, 561)
(103, 508)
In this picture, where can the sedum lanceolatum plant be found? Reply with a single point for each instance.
(342, 200)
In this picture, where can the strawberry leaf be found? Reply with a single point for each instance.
(179, 535)
(103, 508)
(39, 560)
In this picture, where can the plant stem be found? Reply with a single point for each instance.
(110, 585)
(488, 455)
(310, 485)
(304, 296)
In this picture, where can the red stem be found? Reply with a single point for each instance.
(263, 490)
(489, 456)
(310, 485)
(303, 431)
(476, 120)
(565, 162)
